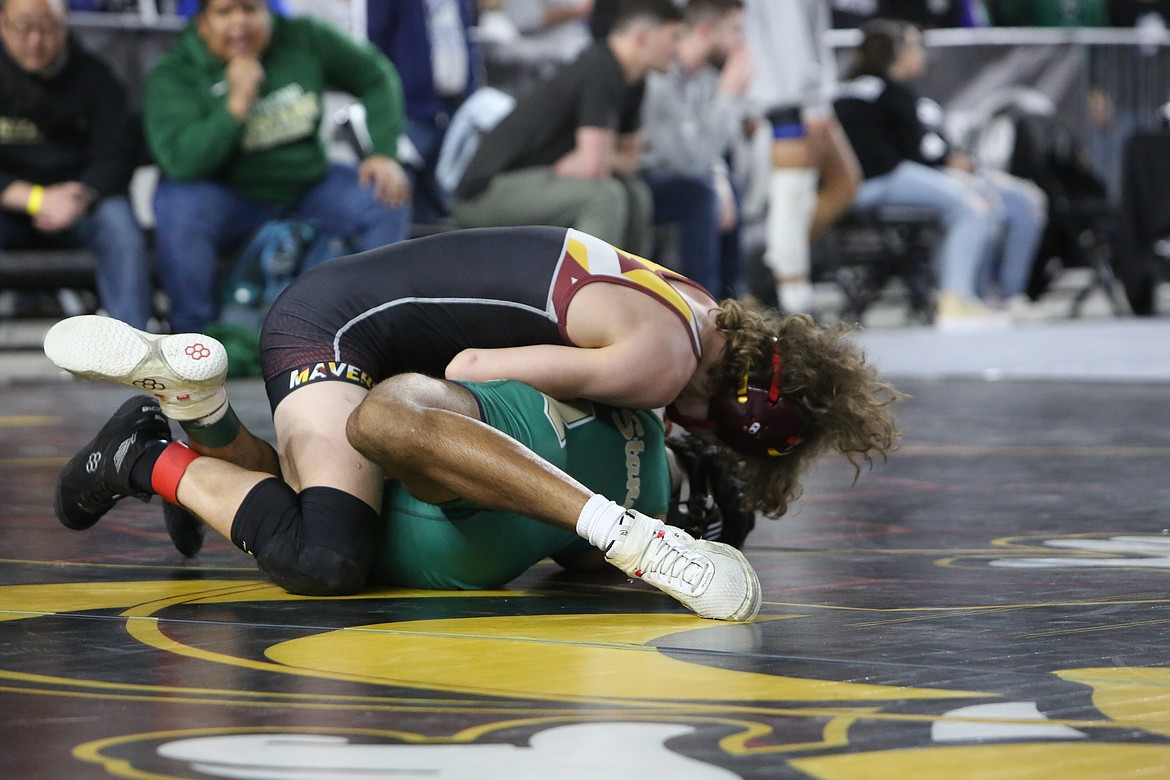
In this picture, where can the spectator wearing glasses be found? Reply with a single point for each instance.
(67, 153)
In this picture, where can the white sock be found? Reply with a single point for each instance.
(792, 201)
(599, 520)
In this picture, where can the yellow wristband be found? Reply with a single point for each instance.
(36, 196)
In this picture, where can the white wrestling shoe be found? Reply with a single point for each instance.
(712, 579)
(185, 372)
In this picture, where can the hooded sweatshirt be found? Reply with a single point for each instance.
(276, 154)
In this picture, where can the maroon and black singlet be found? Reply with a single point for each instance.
(413, 306)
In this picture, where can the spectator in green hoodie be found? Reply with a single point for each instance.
(232, 116)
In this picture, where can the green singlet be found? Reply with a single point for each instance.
(618, 453)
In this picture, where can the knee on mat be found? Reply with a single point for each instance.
(313, 570)
(320, 542)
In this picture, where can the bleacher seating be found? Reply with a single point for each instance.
(869, 252)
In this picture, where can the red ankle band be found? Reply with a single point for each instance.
(169, 470)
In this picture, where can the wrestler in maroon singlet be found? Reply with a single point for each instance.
(413, 306)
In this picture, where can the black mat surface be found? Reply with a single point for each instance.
(990, 603)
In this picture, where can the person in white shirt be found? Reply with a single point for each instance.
(814, 175)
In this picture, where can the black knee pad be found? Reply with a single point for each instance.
(321, 542)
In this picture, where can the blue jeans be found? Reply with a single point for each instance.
(706, 255)
(969, 225)
(1021, 210)
(432, 203)
(198, 221)
(111, 231)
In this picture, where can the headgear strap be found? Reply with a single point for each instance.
(774, 392)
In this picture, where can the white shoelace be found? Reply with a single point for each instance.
(664, 556)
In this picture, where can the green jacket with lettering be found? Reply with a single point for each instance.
(276, 154)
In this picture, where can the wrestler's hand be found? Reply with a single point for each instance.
(391, 185)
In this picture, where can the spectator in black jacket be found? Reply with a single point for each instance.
(880, 115)
(67, 153)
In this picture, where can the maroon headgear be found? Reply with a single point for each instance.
(754, 420)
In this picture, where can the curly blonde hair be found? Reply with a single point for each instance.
(824, 371)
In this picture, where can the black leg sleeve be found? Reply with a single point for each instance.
(321, 542)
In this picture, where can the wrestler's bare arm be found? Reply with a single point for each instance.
(426, 434)
(630, 374)
(633, 352)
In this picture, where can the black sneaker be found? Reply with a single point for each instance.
(185, 528)
(99, 475)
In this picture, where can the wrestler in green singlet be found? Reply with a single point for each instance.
(616, 452)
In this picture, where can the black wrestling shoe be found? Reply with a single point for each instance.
(99, 475)
(185, 528)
